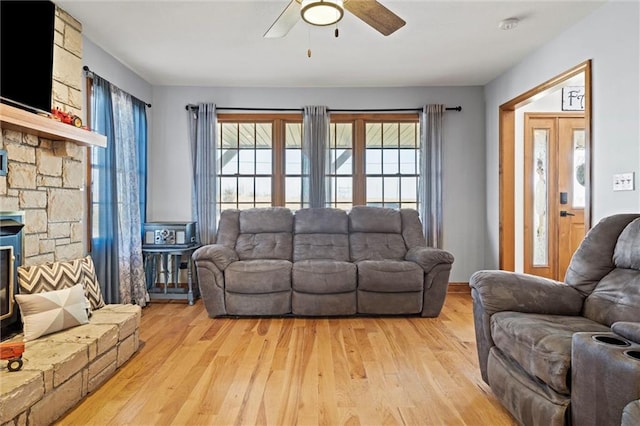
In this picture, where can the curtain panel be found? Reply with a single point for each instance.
(203, 143)
(315, 144)
(431, 133)
(119, 193)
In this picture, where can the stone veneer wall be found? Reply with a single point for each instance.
(46, 179)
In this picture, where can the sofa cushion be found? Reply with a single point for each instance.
(615, 298)
(541, 344)
(376, 246)
(320, 246)
(50, 276)
(321, 233)
(374, 219)
(412, 231)
(321, 221)
(265, 246)
(228, 228)
(526, 400)
(389, 276)
(323, 276)
(258, 276)
(262, 220)
(627, 252)
(60, 275)
(50, 311)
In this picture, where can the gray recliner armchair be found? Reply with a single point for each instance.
(561, 353)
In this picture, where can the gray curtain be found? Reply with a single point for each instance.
(133, 286)
(315, 142)
(118, 191)
(431, 128)
(202, 139)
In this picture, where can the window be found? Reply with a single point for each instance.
(340, 174)
(293, 166)
(391, 164)
(245, 157)
(371, 159)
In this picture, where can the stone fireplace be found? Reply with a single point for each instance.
(44, 181)
(10, 259)
(45, 184)
(46, 175)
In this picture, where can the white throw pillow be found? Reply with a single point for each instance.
(51, 311)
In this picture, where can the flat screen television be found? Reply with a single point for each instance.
(26, 53)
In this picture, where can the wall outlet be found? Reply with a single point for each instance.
(624, 181)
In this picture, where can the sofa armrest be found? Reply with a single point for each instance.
(436, 264)
(500, 291)
(221, 256)
(211, 260)
(628, 330)
(429, 257)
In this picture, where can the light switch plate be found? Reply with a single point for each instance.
(623, 181)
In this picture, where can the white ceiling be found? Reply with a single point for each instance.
(220, 43)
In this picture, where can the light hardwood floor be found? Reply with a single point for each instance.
(194, 370)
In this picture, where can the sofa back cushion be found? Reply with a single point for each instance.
(375, 233)
(265, 233)
(412, 231)
(321, 233)
(616, 297)
(228, 228)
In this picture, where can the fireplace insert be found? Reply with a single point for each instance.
(11, 225)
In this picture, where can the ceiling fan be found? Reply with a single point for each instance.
(328, 12)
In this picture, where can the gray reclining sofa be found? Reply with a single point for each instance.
(321, 262)
(567, 353)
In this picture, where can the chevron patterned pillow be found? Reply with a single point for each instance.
(50, 311)
(52, 276)
(91, 285)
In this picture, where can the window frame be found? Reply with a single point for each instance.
(279, 121)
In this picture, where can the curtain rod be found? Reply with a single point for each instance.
(192, 106)
(86, 69)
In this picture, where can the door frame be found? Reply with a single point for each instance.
(506, 130)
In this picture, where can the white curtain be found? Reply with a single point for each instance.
(431, 128)
(203, 142)
(315, 142)
(130, 262)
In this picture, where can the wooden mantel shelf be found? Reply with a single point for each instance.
(17, 119)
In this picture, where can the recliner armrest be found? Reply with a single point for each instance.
(221, 256)
(627, 329)
(499, 291)
(428, 257)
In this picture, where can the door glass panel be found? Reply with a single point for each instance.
(540, 203)
(578, 169)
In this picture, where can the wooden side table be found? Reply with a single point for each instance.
(156, 261)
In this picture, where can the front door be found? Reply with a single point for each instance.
(554, 193)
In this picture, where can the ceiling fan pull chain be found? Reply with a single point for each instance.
(309, 43)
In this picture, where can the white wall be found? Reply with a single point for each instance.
(107, 67)
(610, 37)
(464, 176)
(169, 182)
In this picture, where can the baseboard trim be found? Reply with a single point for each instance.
(459, 288)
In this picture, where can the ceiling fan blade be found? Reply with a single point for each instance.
(287, 19)
(376, 15)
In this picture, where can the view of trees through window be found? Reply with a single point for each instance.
(371, 160)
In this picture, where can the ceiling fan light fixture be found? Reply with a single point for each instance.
(322, 12)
